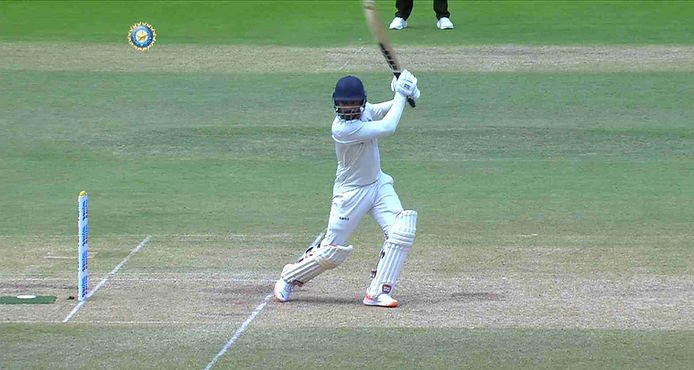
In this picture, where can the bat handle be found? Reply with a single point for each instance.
(409, 100)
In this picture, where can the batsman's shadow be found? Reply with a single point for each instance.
(328, 300)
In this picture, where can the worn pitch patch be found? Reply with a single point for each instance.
(27, 299)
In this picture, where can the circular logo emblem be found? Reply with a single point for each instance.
(142, 36)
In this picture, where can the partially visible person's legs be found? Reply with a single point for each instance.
(441, 9)
(404, 9)
(442, 15)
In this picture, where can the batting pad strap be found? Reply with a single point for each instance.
(404, 228)
(322, 259)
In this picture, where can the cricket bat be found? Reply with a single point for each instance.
(379, 33)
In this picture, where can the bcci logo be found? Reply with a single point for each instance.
(142, 36)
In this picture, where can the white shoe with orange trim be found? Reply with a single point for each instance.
(381, 300)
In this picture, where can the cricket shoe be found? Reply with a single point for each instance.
(282, 290)
(381, 300)
(444, 24)
(398, 24)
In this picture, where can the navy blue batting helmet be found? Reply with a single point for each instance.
(349, 98)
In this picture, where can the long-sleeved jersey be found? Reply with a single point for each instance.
(356, 143)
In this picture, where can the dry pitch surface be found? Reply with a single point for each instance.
(492, 287)
(268, 59)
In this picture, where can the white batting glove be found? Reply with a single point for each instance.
(416, 94)
(406, 84)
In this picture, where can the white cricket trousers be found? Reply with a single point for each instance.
(348, 208)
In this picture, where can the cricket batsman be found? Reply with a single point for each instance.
(361, 187)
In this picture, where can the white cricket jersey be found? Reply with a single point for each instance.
(356, 143)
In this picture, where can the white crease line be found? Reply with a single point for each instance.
(173, 273)
(113, 322)
(134, 277)
(146, 279)
(111, 236)
(29, 322)
(196, 279)
(239, 331)
(151, 322)
(34, 279)
(105, 278)
(199, 274)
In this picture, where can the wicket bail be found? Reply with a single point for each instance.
(82, 246)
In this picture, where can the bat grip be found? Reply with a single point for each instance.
(409, 100)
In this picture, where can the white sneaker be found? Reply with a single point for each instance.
(443, 24)
(381, 300)
(282, 290)
(398, 23)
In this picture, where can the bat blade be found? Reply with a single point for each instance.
(373, 20)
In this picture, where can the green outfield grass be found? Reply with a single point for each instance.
(114, 350)
(555, 206)
(417, 348)
(335, 23)
(604, 153)
(470, 349)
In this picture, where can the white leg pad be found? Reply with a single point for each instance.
(393, 254)
(318, 261)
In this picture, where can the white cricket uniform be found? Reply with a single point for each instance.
(360, 185)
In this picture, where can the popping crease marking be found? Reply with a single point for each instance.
(105, 278)
(239, 331)
(117, 322)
